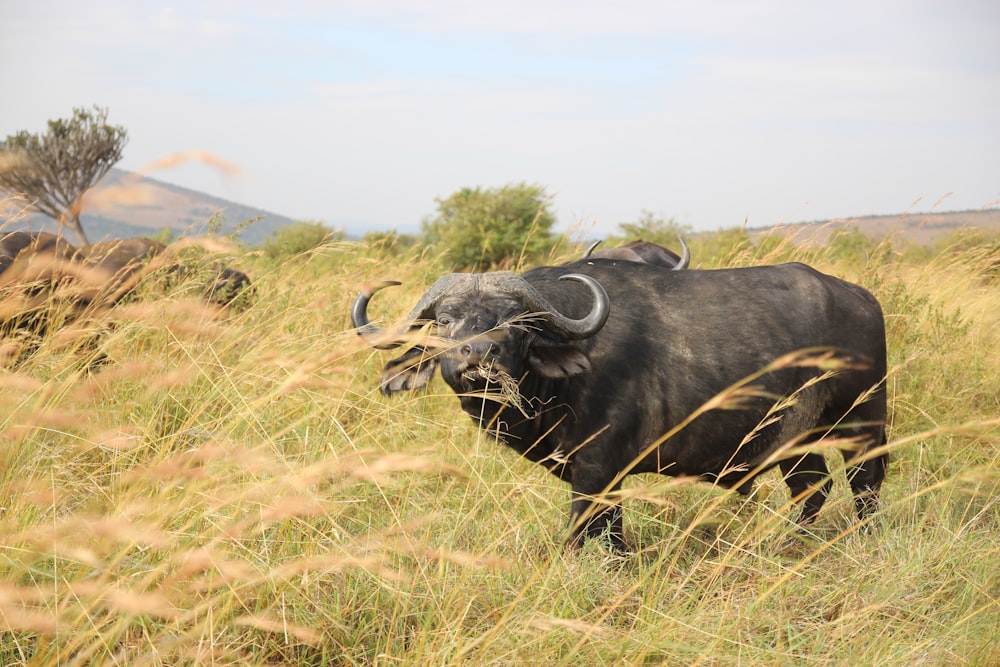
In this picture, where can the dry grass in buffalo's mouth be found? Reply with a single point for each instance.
(508, 390)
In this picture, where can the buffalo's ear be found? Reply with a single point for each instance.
(553, 361)
(413, 370)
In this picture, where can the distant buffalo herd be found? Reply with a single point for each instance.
(35, 266)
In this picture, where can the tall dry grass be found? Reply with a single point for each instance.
(183, 485)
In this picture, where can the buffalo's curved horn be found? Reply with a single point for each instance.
(594, 320)
(685, 255)
(499, 282)
(448, 284)
(359, 314)
(591, 249)
(516, 286)
(531, 299)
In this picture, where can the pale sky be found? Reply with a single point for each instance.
(359, 113)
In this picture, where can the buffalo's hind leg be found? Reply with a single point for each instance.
(809, 480)
(592, 513)
(866, 428)
(866, 479)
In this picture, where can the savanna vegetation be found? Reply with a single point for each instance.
(186, 485)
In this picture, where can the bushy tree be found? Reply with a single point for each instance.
(850, 244)
(652, 228)
(297, 238)
(723, 248)
(388, 243)
(494, 227)
(57, 167)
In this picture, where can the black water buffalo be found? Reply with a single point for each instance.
(32, 265)
(614, 364)
(645, 252)
(127, 260)
(13, 244)
(119, 265)
(29, 255)
(36, 266)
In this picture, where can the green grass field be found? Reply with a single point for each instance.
(231, 488)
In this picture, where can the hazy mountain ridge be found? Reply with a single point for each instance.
(126, 204)
(914, 228)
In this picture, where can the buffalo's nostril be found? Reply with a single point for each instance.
(475, 352)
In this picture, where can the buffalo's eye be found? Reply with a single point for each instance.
(443, 320)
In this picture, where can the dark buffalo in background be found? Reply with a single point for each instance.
(125, 259)
(32, 265)
(120, 256)
(225, 285)
(37, 267)
(610, 356)
(121, 264)
(645, 252)
(34, 244)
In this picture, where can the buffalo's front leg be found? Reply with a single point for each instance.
(592, 514)
(808, 480)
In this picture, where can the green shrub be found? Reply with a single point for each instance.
(495, 227)
(298, 238)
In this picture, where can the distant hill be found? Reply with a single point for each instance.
(913, 228)
(125, 204)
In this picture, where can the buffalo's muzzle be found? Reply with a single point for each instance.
(476, 352)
